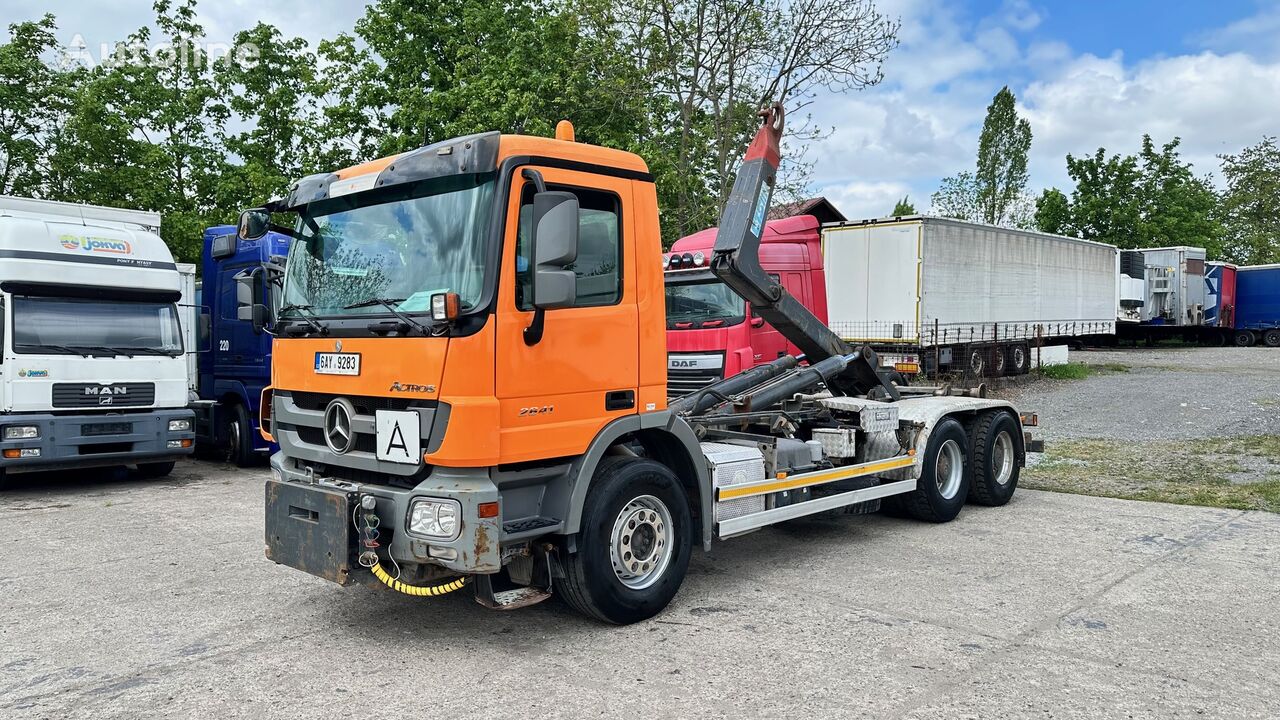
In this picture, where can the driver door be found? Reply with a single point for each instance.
(555, 395)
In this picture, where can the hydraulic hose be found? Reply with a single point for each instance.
(417, 590)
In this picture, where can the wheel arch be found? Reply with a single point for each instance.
(667, 439)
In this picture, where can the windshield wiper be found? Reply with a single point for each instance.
(64, 349)
(310, 321)
(390, 305)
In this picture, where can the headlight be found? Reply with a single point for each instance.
(21, 432)
(434, 518)
(179, 425)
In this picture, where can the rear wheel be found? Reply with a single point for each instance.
(1245, 338)
(944, 476)
(995, 459)
(155, 470)
(1271, 338)
(633, 549)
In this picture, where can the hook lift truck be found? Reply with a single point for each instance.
(469, 387)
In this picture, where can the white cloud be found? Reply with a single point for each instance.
(1215, 103)
(859, 199)
(1255, 35)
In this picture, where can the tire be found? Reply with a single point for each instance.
(995, 459)
(932, 500)
(155, 470)
(239, 439)
(1245, 338)
(604, 579)
(977, 363)
(999, 362)
(1271, 338)
(1019, 359)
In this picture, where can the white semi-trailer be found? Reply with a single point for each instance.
(927, 291)
(93, 371)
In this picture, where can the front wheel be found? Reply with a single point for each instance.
(239, 436)
(633, 549)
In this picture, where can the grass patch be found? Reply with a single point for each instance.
(1069, 371)
(1236, 473)
(1079, 370)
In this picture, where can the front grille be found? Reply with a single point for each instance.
(315, 436)
(99, 395)
(683, 382)
(364, 405)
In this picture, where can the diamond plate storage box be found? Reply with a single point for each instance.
(873, 416)
(735, 465)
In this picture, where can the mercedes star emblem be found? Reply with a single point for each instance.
(338, 434)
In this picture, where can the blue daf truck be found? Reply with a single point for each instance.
(236, 276)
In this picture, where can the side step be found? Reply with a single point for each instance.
(513, 599)
(746, 523)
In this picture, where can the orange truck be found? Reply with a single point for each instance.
(469, 387)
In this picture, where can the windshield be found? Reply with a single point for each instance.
(406, 248)
(711, 304)
(93, 327)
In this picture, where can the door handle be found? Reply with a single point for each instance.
(620, 400)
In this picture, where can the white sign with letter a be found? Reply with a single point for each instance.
(399, 436)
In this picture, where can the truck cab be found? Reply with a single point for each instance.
(235, 275)
(712, 333)
(93, 370)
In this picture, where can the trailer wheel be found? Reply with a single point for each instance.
(999, 362)
(944, 476)
(239, 438)
(995, 459)
(1019, 359)
(977, 361)
(1271, 338)
(633, 548)
(1245, 338)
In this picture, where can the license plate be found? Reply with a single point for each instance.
(338, 363)
(106, 429)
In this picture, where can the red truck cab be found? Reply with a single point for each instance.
(712, 332)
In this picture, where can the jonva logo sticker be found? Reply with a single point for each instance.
(96, 245)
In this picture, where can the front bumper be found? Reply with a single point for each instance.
(96, 440)
(303, 508)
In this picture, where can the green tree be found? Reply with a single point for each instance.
(1105, 204)
(1001, 177)
(903, 207)
(1251, 204)
(266, 84)
(1178, 208)
(32, 97)
(957, 197)
(1053, 212)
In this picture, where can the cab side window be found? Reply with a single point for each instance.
(599, 263)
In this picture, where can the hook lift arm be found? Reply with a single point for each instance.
(736, 261)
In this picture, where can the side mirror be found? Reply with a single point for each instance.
(555, 248)
(253, 224)
(260, 317)
(206, 330)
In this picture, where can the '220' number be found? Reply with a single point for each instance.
(529, 411)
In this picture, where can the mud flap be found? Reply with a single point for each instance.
(309, 528)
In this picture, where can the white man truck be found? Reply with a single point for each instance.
(93, 371)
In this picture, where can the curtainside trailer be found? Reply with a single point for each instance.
(1257, 319)
(939, 294)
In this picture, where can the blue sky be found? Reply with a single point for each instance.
(1087, 73)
